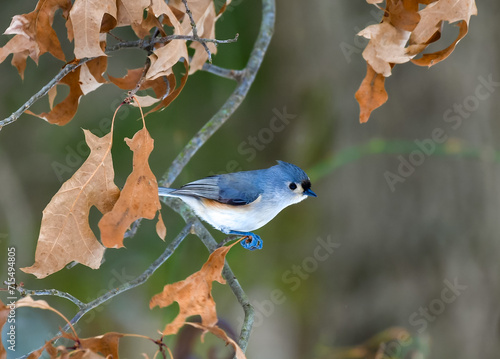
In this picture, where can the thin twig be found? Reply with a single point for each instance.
(43, 91)
(86, 307)
(147, 43)
(143, 44)
(195, 31)
(132, 93)
(236, 75)
(54, 292)
(234, 101)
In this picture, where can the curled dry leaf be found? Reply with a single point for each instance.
(218, 332)
(194, 294)
(371, 94)
(81, 81)
(34, 34)
(404, 32)
(65, 234)
(164, 87)
(204, 16)
(106, 344)
(166, 56)
(87, 17)
(429, 26)
(139, 197)
(386, 47)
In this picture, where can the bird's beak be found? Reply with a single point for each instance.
(308, 192)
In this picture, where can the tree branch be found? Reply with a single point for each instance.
(142, 44)
(54, 292)
(234, 100)
(195, 31)
(43, 91)
(86, 307)
(245, 79)
(147, 43)
(236, 75)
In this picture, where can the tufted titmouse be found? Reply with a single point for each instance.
(238, 203)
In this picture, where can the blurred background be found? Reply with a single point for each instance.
(401, 244)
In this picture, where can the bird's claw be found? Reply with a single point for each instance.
(251, 242)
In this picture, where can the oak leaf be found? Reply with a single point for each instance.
(106, 344)
(87, 18)
(204, 16)
(138, 198)
(194, 294)
(81, 81)
(164, 57)
(386, 47)
(65, 234)
(165, 89)
(238, 353)
(431, 21)
(371, 94)
(131, 13)
(34, 34)
(404, 32)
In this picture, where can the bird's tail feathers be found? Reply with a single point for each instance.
(164, 191)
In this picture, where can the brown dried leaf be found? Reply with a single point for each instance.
(429, 27)
(194, 294)
(222, 335)
(166, 100)
(128, 81)
(166, 56)
(34, 34)
(371, 94)
(130, 13)
(386, 47)
(106, 344)
(160, 85)
(435, 57)
(403, 14)
(434, 14)
(21, 47)
(139, 197)
(403, 33)
(161, 229)
(81, 81)
(65, 234)
(65, 110)
(88, 20)
(203, 12)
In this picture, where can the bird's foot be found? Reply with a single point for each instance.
(250, 240)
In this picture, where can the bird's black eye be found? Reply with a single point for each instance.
(292, 186)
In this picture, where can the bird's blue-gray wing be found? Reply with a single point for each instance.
(222, 188)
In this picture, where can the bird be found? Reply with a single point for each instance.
(239, 203)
